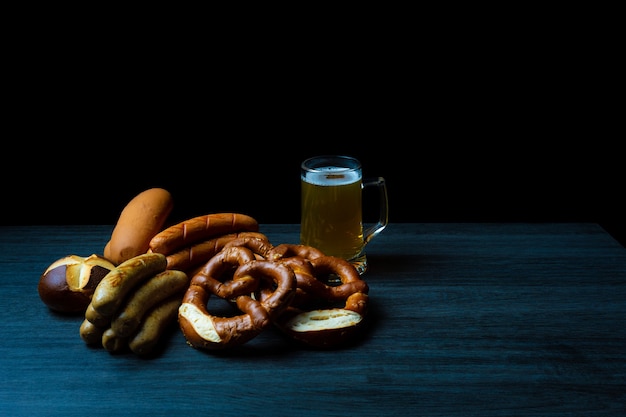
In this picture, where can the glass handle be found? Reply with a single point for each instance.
(371, 232)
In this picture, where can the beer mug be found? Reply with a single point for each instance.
(331, 208)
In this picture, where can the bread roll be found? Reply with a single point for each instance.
(142, 218)
(67, 285)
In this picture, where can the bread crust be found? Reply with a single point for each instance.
(142, 218)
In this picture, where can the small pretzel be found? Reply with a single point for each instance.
(206, 331)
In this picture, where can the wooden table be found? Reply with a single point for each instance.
(465, 319)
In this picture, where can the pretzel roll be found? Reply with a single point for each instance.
(68, 284)
(198, 229)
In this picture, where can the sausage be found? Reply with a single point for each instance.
(189, 258)
(113, 342)
(198, 254)
(153, 291)
(111, 291)
(155, 322)
(197, 229)
(142, 218)
(95, 318)
(90, 333)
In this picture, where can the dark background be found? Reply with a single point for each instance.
(500, 121)
(426, 183)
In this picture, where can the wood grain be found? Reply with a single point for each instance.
(476, 319)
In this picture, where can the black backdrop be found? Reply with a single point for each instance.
(427, 182)
(467, 124)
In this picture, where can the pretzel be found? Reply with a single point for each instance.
(255, 241)
(304, 273)
(288, 250)
(325, 325)
(217, 274)
(204, 330)
(278, 284)
(351, 281)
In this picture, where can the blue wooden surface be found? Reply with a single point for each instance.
(466, 319)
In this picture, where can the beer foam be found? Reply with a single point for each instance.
(331, 176)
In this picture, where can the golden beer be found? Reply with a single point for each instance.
(332, 213)
(331, 210)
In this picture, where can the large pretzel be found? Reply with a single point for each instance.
(288, 250)
(204, 330)
(297, 257)
(351, 282)
(327, 325)
(256, 242)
